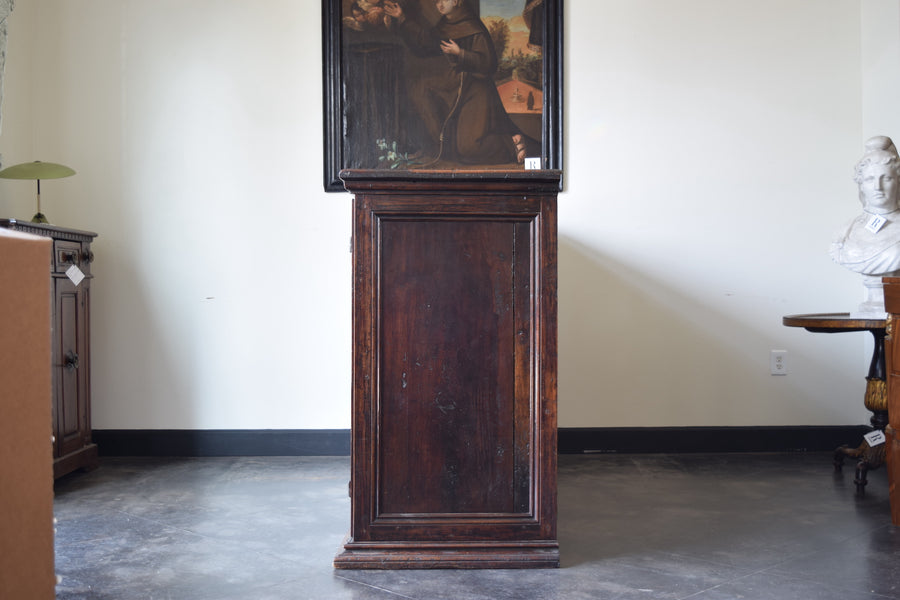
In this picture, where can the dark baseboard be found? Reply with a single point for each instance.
(223, 442)
(676, 440)
(572, 440)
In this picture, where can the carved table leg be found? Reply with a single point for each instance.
(876, 401)
(876, 395)
(869, 458)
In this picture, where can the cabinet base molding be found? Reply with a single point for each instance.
(85, 458)
(448, 555)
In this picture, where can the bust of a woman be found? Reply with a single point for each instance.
(870, 243)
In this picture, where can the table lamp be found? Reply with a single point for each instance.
(37, 170)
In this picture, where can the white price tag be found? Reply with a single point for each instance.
(875, 223)
(75, 274)
(875, 438)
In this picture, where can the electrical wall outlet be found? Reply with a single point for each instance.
(778, 362)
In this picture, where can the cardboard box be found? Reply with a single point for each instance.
(26, 453)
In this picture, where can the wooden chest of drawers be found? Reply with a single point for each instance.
(70, 273)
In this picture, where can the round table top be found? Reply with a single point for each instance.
(833, 322)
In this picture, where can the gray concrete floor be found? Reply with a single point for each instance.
(705, 527)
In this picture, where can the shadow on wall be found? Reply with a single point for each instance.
(634, 352)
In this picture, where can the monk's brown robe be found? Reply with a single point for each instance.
(459, 98)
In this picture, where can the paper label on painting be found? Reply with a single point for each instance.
(75, 274)
(875, 438)
(532, 163)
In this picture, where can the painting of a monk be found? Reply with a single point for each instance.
(445, 84)
(457, 102)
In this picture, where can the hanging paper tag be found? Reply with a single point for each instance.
(874, 438)
(875, 223)
(75, 274)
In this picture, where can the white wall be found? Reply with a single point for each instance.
(709, 149)
(880, 58)
(222, 290)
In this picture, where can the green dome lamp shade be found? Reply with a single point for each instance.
(37, 170)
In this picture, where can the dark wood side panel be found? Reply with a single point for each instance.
(892, 360)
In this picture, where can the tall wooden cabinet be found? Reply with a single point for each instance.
(71, 351)
(454, 370)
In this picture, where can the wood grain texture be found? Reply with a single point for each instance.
(892, 359)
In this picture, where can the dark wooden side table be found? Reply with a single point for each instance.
(868, 457)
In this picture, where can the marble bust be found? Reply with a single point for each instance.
(870, 243)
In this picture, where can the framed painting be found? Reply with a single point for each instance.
(441, 84)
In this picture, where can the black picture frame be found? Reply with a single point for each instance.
(360, 71)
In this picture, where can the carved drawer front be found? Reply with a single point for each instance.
(67, 253)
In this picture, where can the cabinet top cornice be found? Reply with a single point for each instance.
(422, 180)
(47, 230)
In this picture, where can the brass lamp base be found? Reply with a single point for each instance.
(39, 218)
